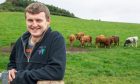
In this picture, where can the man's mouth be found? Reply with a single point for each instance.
(35, 29)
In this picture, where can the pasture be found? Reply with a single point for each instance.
(116, 65)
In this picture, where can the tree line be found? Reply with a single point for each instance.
(19, 5)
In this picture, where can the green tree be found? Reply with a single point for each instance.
(22, 3)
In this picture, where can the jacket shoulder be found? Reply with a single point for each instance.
(56, 34)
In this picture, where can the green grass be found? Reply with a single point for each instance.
(116, 65)
(4, 60)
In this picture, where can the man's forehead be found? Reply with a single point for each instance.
(40, 13)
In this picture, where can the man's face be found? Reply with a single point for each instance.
(36, 23)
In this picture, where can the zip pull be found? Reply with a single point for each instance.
(28, 60)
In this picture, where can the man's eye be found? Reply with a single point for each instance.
(39, 20)
(30, 20)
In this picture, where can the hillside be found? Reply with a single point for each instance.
(20, 5)
(116, 65)
(13, 25)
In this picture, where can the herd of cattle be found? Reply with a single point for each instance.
(101, 40)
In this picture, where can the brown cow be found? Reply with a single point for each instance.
(116, 40)
(102, 40)
(79, 35)
(72, 38)
(108, 41)
(99, 40)
(85, 39)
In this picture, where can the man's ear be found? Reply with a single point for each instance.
(48, 21)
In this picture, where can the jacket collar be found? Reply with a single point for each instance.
(26, 35)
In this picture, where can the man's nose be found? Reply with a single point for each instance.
(34, 24)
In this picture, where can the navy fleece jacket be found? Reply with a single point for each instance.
(47, 61)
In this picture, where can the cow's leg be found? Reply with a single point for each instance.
(132, 44)
(96, 45)
(71, 44)
(82, 44)
(109, 45)
(136, 45)
(90, 43)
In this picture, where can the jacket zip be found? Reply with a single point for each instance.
(28, 57)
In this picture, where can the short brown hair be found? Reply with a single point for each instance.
(37, 7)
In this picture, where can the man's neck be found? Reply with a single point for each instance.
(34, 40)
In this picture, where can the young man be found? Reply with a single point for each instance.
(39, 54)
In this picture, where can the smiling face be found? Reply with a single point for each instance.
(37, 23)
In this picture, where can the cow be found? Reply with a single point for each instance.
(108, 41)
(131, 41)
(85, 39)
(115, 40)
(79, 35)
(72, 38)
(103, 41)
(99, 40)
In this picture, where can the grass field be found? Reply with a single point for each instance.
(117, 65)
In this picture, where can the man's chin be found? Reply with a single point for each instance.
(36, 35)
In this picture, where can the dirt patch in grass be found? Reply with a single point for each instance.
(69, 50)
(77, 50)
(5, 49)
